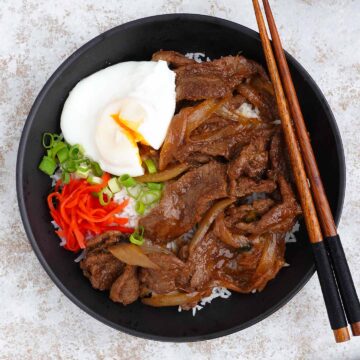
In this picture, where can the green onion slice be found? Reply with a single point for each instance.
(48, 140)
(47, 165)
(57, 147)
(105, 196)
(154, 186)
(135, 191)
(150, 166)
(150, 197)
(96, 169)
(140, 207)
(137, 237)
(82, 172)
(113, 185)
(75, 152)
(94, 180)
(65, 177)
(63, 154)
(69, 166)
(126, 180)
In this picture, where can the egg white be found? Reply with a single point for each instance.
(87, 120)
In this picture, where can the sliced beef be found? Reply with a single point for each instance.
(253, 159)
(214, 79)
(248, 212)
(185, 201)
(181, 126)
(106, 272)
(225, 224)
(214, 263)
(102, 269)
(161, 281)
(126, 288)
(244, 186)
(103, 241)
(280, 218)
(173, 58)
(277, 155)
(224, 143)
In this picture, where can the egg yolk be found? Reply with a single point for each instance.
(129, 118)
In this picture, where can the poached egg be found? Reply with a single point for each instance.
(109, 112)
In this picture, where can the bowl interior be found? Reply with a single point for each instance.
(137, 41)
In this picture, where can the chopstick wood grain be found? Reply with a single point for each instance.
(326, 276)
(341, 268)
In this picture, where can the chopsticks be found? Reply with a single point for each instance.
(326, 275)
(337, 256)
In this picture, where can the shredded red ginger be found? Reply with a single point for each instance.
(79, 214)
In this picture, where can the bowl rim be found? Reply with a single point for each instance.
(30, 119)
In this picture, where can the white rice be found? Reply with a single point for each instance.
(217, 292)
(197, 56)
(248, 111)
(290, 236)
(129, 210)
(55, 177)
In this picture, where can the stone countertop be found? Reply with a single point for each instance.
(36, 320)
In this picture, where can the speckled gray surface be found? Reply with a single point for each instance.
(36, 320)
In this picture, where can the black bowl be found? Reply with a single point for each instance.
(137, 40)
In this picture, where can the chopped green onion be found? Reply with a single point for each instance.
(154, 186)
(140, 207)
(47, 165)
(94, 180)
(75, 152)
(63, 154)
(151, 197)
(127, 181)
(137, 237)
(48, 140)
(65, 177)
(150, 166)
(82, 172)
(96, 169)
(57, 137)
(69, 166)
(57, 147)
(134, 191)
(113, 185)
(105, 191)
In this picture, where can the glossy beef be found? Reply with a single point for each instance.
(173, 58)
(185, 201)
(215, 79)
(126, 288)
(161, 281)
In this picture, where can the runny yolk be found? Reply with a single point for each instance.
(131, 133)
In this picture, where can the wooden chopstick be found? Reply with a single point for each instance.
(337, 256)
(326, 276)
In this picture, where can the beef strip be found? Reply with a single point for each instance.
(280, 218)
(102, 269)
(244, 186)
(277, 155)
(214, 79)
(225, 224)
(173, 58)
(185, 201)
(252, 161)
(161, 281)
(106, 272)
(224, 143)
(126, 288)
(214, 263)
(248, 212)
